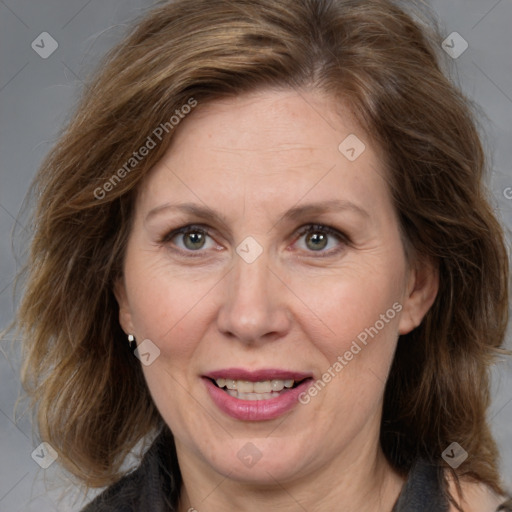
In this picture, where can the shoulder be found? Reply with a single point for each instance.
(154, 485)
(476, 497)
(123, 496)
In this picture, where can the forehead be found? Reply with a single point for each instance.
(273, 147)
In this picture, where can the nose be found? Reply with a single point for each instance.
(254, 308)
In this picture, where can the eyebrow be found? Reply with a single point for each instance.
(336, 205)
(295, 213)
(200, 211)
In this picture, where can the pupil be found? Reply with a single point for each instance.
(194, 240)
(316, 241)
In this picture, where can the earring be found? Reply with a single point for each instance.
(131, 341)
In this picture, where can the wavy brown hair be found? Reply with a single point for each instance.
(92, 402)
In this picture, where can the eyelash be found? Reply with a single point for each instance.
(304, 230)
(327, 230)
(190, 228)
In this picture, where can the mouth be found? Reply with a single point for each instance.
(256, 395)
(259, 390)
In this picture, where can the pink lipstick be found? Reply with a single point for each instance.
(255, 395)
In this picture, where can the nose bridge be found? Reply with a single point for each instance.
(249, 289)
(252, 309)
(251, 281)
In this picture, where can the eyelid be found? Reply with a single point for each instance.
(183, 230)
(309, 228)
(343, 239)
(200, 254)
(303, 230)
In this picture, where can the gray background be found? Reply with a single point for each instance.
(36, 95)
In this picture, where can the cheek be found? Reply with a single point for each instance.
(361, 305)
(357, 347)
(170, 308)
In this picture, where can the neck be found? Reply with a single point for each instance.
(361, 480)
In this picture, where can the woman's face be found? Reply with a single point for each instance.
(265, 253)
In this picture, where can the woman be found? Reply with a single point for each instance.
(263, 243)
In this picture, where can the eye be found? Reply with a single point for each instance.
(190, 238)
(320, 239)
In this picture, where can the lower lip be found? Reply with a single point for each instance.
(255, 410)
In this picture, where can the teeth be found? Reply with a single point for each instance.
(277, 385)
(251, 396)
(243, 387)
(230, 384)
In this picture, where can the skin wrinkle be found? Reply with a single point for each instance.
(423, 144)
(267, 313)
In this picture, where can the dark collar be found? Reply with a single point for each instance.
(423, 491)
(154, 486)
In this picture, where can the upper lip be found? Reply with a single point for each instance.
(257, 375)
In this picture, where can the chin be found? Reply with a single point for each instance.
(258, 461)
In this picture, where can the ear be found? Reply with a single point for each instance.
(422, 288)
(125, 315)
